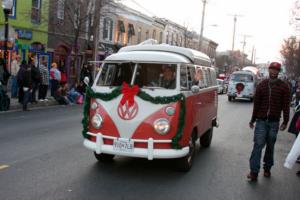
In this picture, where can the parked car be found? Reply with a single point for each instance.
(222, 88)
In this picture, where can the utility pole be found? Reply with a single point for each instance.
(98, 5)
(234, 28)
(202, 25)
(244, 44)
(252, 55)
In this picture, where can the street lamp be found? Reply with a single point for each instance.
(7, 6)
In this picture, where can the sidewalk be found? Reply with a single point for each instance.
(16, 106)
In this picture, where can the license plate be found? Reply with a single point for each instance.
(123, 144)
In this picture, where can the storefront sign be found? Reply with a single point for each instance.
(24, 34)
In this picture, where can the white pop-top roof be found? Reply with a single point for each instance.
(160, 52)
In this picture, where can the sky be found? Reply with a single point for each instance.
(263, 23)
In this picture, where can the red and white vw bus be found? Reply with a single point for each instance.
(129, 112)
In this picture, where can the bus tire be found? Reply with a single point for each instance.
(205, 140)
(251, 99)
(185, 163)
(103, 157)
(229, 98)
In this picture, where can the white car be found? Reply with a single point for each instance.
(221, 86)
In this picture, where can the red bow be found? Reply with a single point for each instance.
(128, 94)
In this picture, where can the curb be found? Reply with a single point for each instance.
(16, 106)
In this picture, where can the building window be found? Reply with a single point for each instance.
(36, 11)
(154, 34)
(108, 29)
(130, 32)
(167, 37)
(139, 35)
(121, 31)
(147, 35)
(61, 9)
(160, 37)
(77, 17)
(13, 11)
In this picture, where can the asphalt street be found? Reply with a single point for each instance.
(42, 157)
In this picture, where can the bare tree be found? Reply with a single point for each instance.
(290, 52)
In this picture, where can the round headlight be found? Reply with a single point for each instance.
(97, 121)
(161, 126)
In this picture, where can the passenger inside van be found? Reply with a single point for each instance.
(168, 79)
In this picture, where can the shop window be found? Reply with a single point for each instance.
(36, 11)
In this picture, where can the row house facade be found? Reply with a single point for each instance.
(121, 26)
(28, 31)
(61, 31)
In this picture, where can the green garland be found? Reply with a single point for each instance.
(143, 95)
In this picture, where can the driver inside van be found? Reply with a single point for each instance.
(168, 80)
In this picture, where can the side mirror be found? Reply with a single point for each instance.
(195, 89)
(86, 80)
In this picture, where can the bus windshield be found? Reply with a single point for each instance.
(241, 77)
(147, 75)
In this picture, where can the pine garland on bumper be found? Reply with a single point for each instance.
(143, 95)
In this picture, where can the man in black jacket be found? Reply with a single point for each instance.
(272, 97)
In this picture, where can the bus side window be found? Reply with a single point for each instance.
(183, 78)
(199, 77)
(205, 77)
(210, 83)
(191, 76)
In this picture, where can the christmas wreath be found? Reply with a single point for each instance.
(128, 92)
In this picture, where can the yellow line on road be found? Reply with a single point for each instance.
(3, 166)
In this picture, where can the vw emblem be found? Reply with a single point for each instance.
(127, 113)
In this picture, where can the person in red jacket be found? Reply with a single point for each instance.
(272, 97)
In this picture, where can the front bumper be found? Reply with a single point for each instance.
(150, 153)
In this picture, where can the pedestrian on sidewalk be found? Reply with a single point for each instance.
(271, 98)
(35, 77)
(15, 66)
(25, 82)
(54, 78)
(4, 74)
(86, 72)
(20, 76)
(44, 74)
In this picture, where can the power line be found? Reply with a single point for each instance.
(139, 5)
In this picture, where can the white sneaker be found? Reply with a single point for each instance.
(45, 99)
(41, 100)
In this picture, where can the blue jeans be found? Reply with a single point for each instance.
(14, 87)
(35, 87)
(265, 133)
(26, 99)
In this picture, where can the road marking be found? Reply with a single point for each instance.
(3, 166)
